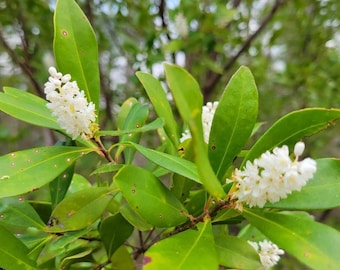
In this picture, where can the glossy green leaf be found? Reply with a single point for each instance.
(106, 168)
(313, 243)
(157, 95)
(27, 107)
(291, 128)
(78, 255)
(135, 118)
(16, 212)
(134, 218)
(234, 120)
(114, 231)
(158, 123)
(75, 48)
(60, 185)
(236, 253)
(61, 244)
(149, 197)
(188, 99)
(122, 260)
(124, 111)
(13, 253)
(78, 183)
(321, 192)
(191, 249)
(27, 170)
(80, 209)
(169, 162)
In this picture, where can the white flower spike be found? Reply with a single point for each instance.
(269, 252)
(69, 105)
(271, 177)
(208, 112)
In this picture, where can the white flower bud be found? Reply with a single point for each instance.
(299, 148)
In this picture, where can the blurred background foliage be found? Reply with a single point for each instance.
(292, 48)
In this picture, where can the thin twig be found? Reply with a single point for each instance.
(215, 77)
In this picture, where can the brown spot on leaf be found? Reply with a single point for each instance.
(64, 33)
(146, 260)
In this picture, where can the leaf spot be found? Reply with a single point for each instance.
(36, 151)
(12, 164)
(133, 191)
(12, 154)
(65, 176)
(2, 215)
(213, 147)
(160, 216)
(4, 177)
(137, 126)
(55, 166)
(146, 260)
(20, 199)
(71, 213)
(64, 33)
(28, 160)
(68, 160)
(35, 189)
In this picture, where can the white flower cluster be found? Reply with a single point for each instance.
(272, 177)
(269, 252)
(208, 112)
(69, 105)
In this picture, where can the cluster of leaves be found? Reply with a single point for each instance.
(173, 212)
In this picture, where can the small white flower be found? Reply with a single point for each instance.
(181, 25)
(271, 177)
(208, 112)
(69, 105)
(269, 252)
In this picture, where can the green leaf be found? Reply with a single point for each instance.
(80, 209)
(18, 213)
(313, 243)
(13, 253)
(27, 170)
(158, 123)
(78, 183)
(149, 197)
(169, 162)
(105, 168)
(188, 99)
(59, 245)
(75, 48)
(114, 231)
(321, 192)
(234, 120)
(291, 128)
(27, 107)
(191, 249)
(134, 218)
(236, 253)
(157, 95)
(60, 185)
(122, 260)
(135, 118)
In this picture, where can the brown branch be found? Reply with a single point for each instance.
(215, 78)
(161, 13)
